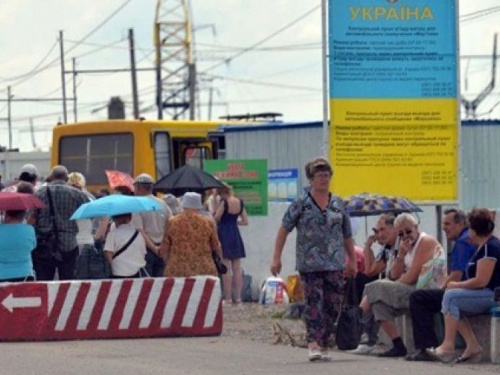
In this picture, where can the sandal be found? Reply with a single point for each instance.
(474, 358)
(441, 356)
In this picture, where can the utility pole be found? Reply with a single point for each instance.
(192, 90)
(63, 81)
(135, 95)
(159, 90)
(9, 116)
(75, 110)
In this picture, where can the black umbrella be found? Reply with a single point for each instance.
(367, 204)
(187, 178)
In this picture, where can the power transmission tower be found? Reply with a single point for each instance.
(175, 68)
(471, 105)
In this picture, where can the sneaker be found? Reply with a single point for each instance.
(394, 352)
(364, 338)
(325, 355)
(314, 355)
(362, 349)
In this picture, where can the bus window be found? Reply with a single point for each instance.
(91, 155)
(162, 154)
(194, 156)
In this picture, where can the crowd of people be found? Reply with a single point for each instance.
(407, 275)
(176, 241)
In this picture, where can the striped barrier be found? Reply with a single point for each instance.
(122, 308)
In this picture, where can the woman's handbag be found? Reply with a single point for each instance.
(221, 267)
(92, 264)
(349, 321)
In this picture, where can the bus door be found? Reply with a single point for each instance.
(194, 153)
(162, 147)
(218, 140)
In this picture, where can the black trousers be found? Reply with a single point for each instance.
(424, 304)
(361, 280)
(45, 268)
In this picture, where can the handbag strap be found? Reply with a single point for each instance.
(52, 214)
(349, 291)
(125, 247)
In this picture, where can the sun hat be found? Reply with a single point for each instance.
(30, 169)
(191, 200)
(144, 178)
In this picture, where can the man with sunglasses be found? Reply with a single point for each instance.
(425, 303)
(420, 264)
(376, 266)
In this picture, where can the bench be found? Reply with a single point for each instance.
(486, 327)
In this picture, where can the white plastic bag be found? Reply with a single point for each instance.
(273, 291)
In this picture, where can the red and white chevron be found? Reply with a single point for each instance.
(122, 308)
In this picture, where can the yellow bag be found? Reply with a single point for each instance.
(294, 287)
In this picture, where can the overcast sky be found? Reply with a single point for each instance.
(283, 74)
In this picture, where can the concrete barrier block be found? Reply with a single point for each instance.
(481, 326)
(102, 309)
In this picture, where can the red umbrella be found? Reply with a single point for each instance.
(19, 201)
(118, 178)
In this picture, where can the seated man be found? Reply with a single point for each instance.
(375, 268)
(420, 264)
(424, 304)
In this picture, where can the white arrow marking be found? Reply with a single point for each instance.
(10, 303)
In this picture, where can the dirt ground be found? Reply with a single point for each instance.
(256, 322)
(263, 323)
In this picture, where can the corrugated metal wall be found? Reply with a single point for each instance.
(293, 146)
(285, 148)
(480, 164)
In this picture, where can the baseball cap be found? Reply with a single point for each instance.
(29, 168)
(143, 178)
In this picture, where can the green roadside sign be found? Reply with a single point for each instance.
(248, 179)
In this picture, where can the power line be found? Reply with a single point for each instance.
(479, 14)
(262, 41)
(49, 65)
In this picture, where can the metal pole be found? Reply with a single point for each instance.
(32, 131)
(210, 98)
(75, 110)
(159, 92)
(324, 37)
(63, 81)
(135, 95)
(439, 227)
(9, 117)
(192, 90)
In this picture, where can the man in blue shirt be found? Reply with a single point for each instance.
(424, 303)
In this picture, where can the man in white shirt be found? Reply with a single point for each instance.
(128, 260)
(152, 225)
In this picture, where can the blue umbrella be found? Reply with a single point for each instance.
(114, 205)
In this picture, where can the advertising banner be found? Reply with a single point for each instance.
(283, 184)
(248, 179)
(394, 98)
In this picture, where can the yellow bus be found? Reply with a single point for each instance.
(155, 147)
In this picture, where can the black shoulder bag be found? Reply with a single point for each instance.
(221, 267)
(47, 243)
(125, 247)
(349, 321)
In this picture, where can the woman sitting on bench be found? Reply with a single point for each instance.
(475, 294)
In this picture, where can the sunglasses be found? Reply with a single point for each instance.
(405, 232)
